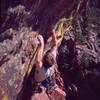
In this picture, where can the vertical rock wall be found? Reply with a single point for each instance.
(19, 18)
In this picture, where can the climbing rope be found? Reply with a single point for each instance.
(63, 26)
(29, 68)
(32, 57)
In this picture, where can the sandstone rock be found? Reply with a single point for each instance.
(15, 55)
(80, 70)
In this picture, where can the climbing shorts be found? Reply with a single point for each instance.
(49, 83)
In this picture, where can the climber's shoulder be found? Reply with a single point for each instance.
(38, 65)
(54, 51)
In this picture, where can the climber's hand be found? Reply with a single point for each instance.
(53, 31)
(40, 38)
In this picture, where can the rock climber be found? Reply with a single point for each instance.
(45, 65)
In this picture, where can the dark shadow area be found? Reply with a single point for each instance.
(79, 84)
(27, 87)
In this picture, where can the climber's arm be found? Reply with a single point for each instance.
(39, 55)
(54, 43)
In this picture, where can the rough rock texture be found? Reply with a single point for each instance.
(14, 59)
(81, 56)
(78, 58)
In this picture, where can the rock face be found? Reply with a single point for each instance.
(14, 59)
(80, 63)
(78, 55)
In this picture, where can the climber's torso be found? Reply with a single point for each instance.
(44, 73)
